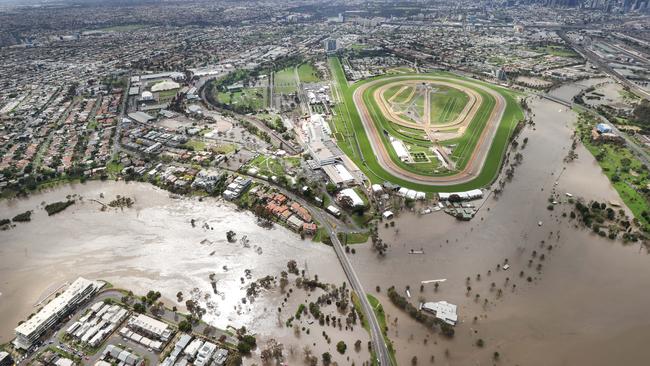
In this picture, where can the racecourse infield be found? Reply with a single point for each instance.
(480, 131)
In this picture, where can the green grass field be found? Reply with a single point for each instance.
(557, 51)
(255, 98)
(352, 138)
(446, 104)
(285, 81)
(625, 171)
(308, 73)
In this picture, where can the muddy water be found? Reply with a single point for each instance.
(584, 306)
(154, 246)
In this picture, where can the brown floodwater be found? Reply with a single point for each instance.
(153, 246)
(586, 305)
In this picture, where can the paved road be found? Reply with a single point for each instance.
(473, 166)
(125, 105)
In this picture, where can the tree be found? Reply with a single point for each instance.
(414, 360)
(234, 359)
(139, 308)
(292, 267)
(341, 347)
(230, 235)
(185, 326)
(327, 358)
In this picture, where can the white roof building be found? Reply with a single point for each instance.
(353, 195)
(338, 174)
(442, 310)
(400, 149)
(465, 196)
(28, 332)
(150, 326)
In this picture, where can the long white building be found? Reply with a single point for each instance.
(79, 291)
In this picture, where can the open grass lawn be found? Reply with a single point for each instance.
(557, 51)
(626, 173)
(356, 145)
(255, 98)
(224, 148)
(269, 165)
(446, 104)
(388, 93)
(308, 73)
(167, 94)
(196, 145)
(284, 81)
(354, 237)
(404, 96)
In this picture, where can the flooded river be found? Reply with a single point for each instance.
(153, 246)
(584, 304)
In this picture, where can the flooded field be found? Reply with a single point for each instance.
(577, 298)
(153, 246)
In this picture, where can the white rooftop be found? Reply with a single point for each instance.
(57, 305)
(443, 311)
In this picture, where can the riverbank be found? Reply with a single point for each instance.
(572, 302)
(153, 246)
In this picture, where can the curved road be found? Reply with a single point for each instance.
(477, 159)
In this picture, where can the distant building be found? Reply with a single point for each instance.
(79, 291)
(330, 45)
(146, 96)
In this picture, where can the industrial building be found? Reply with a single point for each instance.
(79, 291)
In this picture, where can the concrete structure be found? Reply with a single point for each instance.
(442, 310)
(79, 291)
(141, 117)
(205, 354)
(121, 356)
(338, 175)
(321, 153)
(150, 327)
